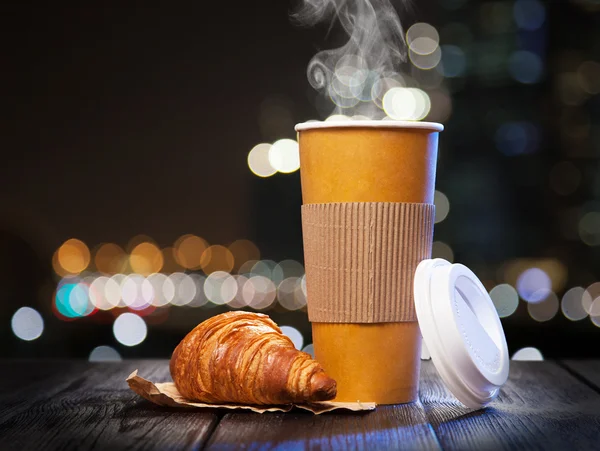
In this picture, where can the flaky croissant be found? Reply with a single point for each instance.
(242, 357)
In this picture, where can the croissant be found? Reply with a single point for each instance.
(242, 357)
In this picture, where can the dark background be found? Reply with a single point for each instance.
(122, 120)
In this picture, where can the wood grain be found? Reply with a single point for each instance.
(589, 370)
(89, 406)
(541, 406)
(81, 405)
(388, 427)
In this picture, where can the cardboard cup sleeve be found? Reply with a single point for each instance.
(361, 257)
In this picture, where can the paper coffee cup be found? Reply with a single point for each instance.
(367, 189)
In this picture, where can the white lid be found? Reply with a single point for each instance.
(462, 331)
(432, 126)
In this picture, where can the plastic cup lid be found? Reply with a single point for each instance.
(462, 331)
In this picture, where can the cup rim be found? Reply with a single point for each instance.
(433, 126)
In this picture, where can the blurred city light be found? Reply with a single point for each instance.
(184, 288)
(130, 329)
(440, 249)
(533, 285)
(505, 299)
(442, 206)
(529, 14)
(284, 156)
(544, 309)
(216, 258)
(110, 259)
(72, 257)
(293, 334)
(146, 258)
(406, 104)
(258, 160)
(309, 349)
(259, 292)
(528, 353)
(27, 324)
(200, 298)
(525, 67)
(220, 287)
(243, 251)
(454, 61)
(572, 304)
(188, 250)
(517, 138)
(104, 354)
(589, 228)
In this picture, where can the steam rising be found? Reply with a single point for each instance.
(357, 75)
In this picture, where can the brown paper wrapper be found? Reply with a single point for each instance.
(361, 257)
(166, 394)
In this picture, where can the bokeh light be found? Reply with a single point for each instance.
(188, 250)
(425, 62)
(454, 61)
(243, 251)
(590, 295)
(505, 299)
(287, 268)
(146, 258)
(517, 138)
(529, 14)
(546, 308)
(290, 294)
(533, 285)
(162, 287)
(439, 249)
(200, 298)
(572, 304)
(293, 334)
(422, 38)
(110, 259)
(589, 228)
(337, 118)
(72, 257)
(104, 354)
(406, 103)
(220, 287)
(238, 300)
(525, 67)
(442, 206)
(309, 349)
(184, 288)
(528, 353)
(216, 258)
(130, 329)
(170, 263)
(27, 324)
(259, 292)
(72, 300)
(284, 156)
(104, 293)
(258, 160)
(132, 293)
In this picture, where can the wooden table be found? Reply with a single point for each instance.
(80, 405)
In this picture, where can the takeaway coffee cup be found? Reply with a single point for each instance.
(367, 219)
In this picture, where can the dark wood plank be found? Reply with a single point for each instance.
(541, 406)
(94, 409)
(589, 370)
(388, 427)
